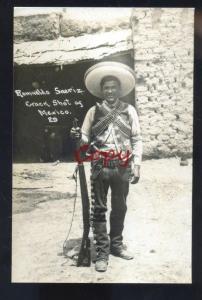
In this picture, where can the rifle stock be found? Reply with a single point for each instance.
(84, 256)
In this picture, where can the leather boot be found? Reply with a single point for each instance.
(101, 265)
(102, 246)
(122, 253)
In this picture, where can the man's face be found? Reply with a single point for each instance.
(111, 90)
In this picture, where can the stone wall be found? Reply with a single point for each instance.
(70, 35)
(163, 43)
(162, 39)
(68, 22)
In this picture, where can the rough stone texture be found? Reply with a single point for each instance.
(31, 25)
(41, 10)
(36, 27)
(163, 43)
(71, 27)
(73, 49)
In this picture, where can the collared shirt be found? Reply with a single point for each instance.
(109, 135)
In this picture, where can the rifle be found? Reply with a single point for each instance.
(84, 256)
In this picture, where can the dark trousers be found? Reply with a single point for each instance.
(118, 180)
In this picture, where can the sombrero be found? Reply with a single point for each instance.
(97, 72)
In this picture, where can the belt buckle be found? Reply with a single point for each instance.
(113, 163)
(110, 164)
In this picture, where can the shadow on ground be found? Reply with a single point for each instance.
(71, 250)
(27, 200)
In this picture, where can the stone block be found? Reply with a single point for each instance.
(178, 109)
(36, 27)
(163, 137)
(70, 27)
(147, 56)
(185, 117)
(144, 119)
(146, 93)
(150, 148)
(164, 99)
(181, 127)
(154, 131)
(169, 53)
(163, 150)
(141, 88)
(162, 87)
(150, 44)
(188, 82)
(169, 116)
(86, 24)
(170, 131)
(168, 70)
(143, 99)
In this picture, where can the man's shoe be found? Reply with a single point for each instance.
(122, 253)
(101, 265)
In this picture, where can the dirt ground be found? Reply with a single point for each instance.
(157, 227)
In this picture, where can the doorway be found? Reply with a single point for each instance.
(46, 101)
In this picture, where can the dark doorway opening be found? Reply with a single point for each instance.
(42, 121)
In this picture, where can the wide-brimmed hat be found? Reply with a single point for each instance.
(97, 72)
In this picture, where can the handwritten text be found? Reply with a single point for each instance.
(106, 156)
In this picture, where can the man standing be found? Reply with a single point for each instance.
(112, 130)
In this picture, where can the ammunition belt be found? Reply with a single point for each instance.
(111, 163)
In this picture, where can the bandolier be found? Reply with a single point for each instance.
(119, 118)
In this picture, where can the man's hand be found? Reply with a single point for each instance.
(75, 133)
(135, 174)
